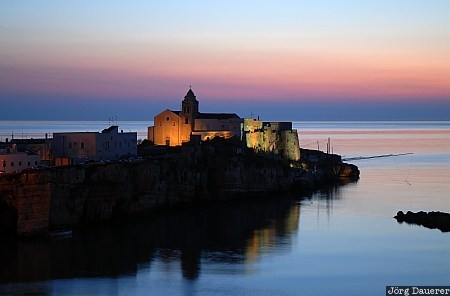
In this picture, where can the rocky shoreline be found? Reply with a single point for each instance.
(432, 220)
(36, 201)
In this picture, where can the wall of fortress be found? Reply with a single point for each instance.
(272, 137)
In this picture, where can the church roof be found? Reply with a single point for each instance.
(217, 115)
(190, 95)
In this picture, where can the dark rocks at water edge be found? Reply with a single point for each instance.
(433, 220)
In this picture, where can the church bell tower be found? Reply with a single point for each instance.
(189, 108)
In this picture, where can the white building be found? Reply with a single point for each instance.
(79, 147)
(12, 161)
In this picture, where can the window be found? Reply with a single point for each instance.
(167, 118)
(74, 144)
(12, 163)
(186, 120)
(82, 145)
(29, 163)
(20, 163)
(35, 163)
(174, 123)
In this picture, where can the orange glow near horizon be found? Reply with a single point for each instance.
(271, 75)
(301, 52)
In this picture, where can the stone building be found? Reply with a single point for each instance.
(272, 137)
(172, 128)
(79, 147)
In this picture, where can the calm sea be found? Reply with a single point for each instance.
(338, 241)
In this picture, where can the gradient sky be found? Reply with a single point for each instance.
(283, 60)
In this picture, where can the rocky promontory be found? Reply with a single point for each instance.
(432, 220)
(34, 201)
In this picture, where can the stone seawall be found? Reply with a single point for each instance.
(34, 201)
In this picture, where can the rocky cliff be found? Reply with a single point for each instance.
(34, 201)
(25, 202)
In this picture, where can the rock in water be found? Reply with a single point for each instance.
(432, 220)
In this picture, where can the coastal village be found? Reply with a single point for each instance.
(74, 178)
(171, 128)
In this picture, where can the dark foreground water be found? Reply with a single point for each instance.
(339, 241)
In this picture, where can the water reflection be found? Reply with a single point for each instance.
(236, 233)
(321, 205)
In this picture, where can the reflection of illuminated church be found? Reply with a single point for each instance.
(172, 128)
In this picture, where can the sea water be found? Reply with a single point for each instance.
(337, 241)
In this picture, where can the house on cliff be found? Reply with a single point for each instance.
(79, 147)
(12, 160)
(41, 147)
(173, 128)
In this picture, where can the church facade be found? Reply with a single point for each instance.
(172, 128)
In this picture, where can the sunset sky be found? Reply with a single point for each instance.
(282, 60)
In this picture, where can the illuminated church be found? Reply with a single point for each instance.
(172, 128)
